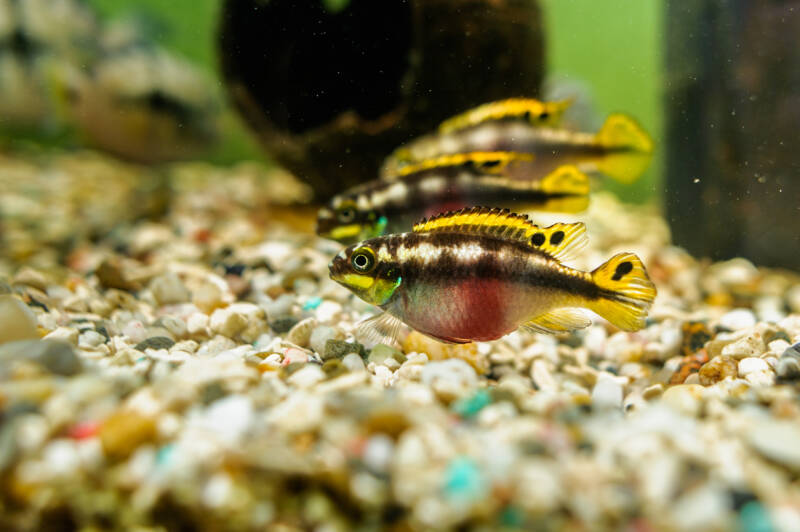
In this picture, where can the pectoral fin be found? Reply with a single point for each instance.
(380, 329)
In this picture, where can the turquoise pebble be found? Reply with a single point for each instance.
(753, 517)
(463, 479)
(470, 406)
(164, 454)
(312, 303)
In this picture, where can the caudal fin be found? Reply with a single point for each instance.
(630, 148)
(627, 292)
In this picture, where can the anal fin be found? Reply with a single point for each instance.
(559, 321)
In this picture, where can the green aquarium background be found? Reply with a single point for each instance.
(612, 48)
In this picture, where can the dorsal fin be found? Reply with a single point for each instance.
(535, 112)
(559, 241)
(488, 162)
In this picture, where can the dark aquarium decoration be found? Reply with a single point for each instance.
(330, 88)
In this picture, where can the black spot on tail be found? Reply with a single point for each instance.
(623, 269)
(491, 163)
(538, 239)
(556, 238)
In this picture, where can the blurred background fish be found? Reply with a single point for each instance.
(449, 183)
(621, 149)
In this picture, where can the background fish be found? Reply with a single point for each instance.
(479, 274)
(529, 110)
(450, 183)
(620, 149)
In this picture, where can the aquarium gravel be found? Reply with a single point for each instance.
(191, 366)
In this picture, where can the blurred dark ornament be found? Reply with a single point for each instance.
(733, 129)
(332, 86)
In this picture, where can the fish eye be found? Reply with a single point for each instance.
(363, 260)
(346, 214)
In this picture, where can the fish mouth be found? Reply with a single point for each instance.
(337, 266)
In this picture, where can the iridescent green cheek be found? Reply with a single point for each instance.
(384, 289)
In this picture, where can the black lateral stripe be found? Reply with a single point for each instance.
(515, 267)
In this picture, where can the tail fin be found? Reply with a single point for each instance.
(627, 292)
(630, 148)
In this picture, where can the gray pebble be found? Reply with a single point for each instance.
(156, 342)
(789, 364)
(339, 348)
(283, 324)
(321, 335)
(57, 357)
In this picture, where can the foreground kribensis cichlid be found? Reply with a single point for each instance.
(449, 183)
(479, 274)
(621, 149)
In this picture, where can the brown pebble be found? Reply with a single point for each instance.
(124, 431)
(689, 365)
(718, 369)
(111, 275)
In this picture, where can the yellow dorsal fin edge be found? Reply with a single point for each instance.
(560, 241)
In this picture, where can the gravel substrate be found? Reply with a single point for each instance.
(198, 371)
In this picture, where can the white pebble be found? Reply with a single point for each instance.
(449, 378)
(62, 457)
(299, 412)
(607, 394)
(227, 322)
(378, 452)
(91, 339)
(228, 418)
(307, 376)
(321, 335)
(353, 362)
(738, 319)
(168, 289)
(777, 440)
(197, 323)
(175, 325)
(685, 398)
(135, 331)
(300, 333)
(751, 365)
(65, 334)
(749, 346)
(328, 310)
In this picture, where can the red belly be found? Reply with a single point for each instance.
(469, 310)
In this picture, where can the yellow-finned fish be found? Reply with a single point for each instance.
(620, 149)
(529, 110)
(448, 183)
(479, 274)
